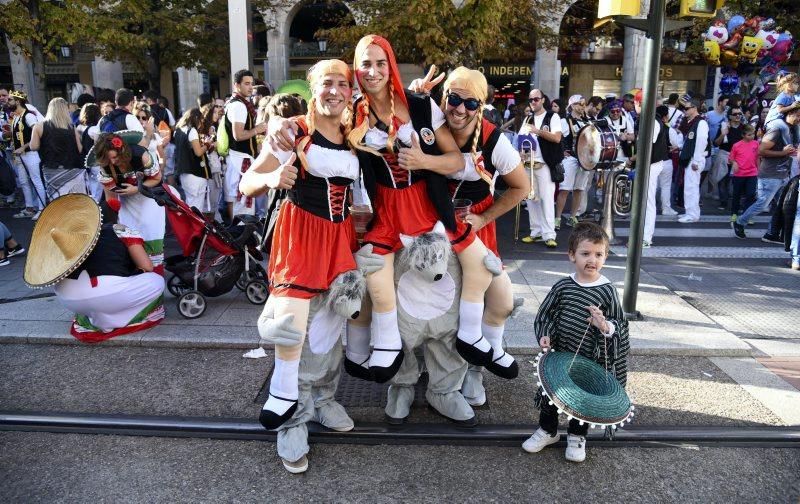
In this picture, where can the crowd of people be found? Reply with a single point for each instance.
(738, 155)
(410, 159)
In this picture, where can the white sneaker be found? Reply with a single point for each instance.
(576, 448)
(670, 212)
(36, 216)
(539, 440)
(687, 220)
(296, 467)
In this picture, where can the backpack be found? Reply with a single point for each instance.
(113, 121)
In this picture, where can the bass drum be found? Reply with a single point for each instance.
(597, 146)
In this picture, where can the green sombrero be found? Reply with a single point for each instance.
(296, 86)
(130, 137)
(582, 389)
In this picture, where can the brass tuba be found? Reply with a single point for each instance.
(622, 187)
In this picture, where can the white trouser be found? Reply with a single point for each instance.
(652, 185)
(233, 174)
(542, 213)
(665, 183)
(30, 178)
(691, 190)
(113, 301)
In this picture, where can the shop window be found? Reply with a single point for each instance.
(602, 87)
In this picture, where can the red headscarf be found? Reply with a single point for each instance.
(362, 113)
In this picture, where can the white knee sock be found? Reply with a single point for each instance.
(385, 335)
(469, 325)
(283, 384)
(495, 337)
(357, 344)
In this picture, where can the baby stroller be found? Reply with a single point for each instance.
(214, 259)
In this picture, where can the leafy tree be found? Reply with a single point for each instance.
(438, 32)
(149, 34)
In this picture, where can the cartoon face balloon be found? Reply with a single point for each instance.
(717, 32)
(711, 52)
(749, 49)
(768, 38)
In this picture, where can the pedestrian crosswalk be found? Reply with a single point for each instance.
(712, 237)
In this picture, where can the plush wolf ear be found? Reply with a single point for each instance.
(439, 228)
(406, 240)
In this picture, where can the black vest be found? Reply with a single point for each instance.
(419, 108)
(688, 146)
(109, 257)
(551, 151)
(245, 146)
(478, 190)
(185, 159)
(22, 132)
(58, 148)
(328, 198)
(661, 145)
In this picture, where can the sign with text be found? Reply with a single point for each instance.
(506, 71)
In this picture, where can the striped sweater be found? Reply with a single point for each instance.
(563, 316)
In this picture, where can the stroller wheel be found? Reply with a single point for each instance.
(257, 272)
(257, 292)
(191, 304)
(175, 286)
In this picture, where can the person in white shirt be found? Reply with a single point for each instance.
(541, 213)
(693, 159)
(241, 128)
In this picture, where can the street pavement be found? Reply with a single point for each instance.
(717, 345)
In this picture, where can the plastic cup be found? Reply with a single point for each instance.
(462, 207)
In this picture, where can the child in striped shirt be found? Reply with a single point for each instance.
(581, 313)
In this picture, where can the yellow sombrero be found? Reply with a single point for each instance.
(63, 237)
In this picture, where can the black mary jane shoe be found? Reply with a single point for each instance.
(384, 374)
(469, 422)
(357, 370)
(395, 421)
(271, 420)
(470, 353)
(509, 373)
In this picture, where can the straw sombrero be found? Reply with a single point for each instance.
(63, 237)
(582, 389)
(130, 137)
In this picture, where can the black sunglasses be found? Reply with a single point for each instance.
(535, 99)
(736, 114)
(470, 104)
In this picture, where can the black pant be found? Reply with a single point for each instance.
(743, 186)
(548, 420)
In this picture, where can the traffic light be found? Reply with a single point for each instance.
(606, 9)
(700, 8)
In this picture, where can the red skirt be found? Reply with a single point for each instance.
(309, 252)
(409, 211)
(488, 233)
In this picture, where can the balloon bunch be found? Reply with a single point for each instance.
(753, 49)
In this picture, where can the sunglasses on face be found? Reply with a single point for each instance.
(142, 118)
(535, 99)
(470, 104)
(736, 114)
(615, 111)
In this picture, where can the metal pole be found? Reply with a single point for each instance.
(644, 148)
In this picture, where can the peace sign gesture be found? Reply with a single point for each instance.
(427, 83)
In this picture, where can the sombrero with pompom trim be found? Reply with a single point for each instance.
(65, 234)
(581, 389)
